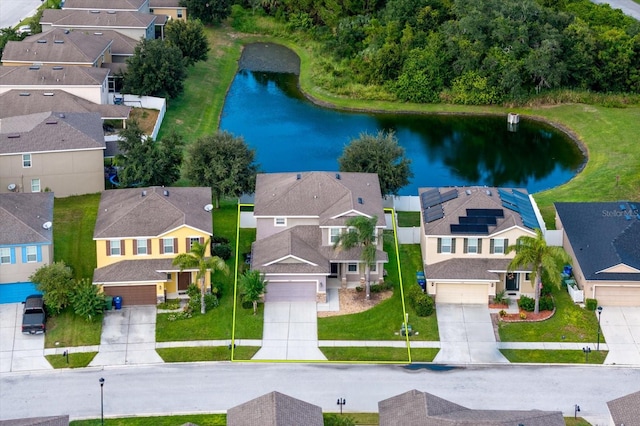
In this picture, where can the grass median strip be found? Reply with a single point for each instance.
(76, 360)
(206, 353)
(553, 356)
(377, 354)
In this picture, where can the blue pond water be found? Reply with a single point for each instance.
(289, 133)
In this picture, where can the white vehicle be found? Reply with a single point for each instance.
(24, 29)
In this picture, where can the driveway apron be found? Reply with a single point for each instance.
(19, 352)
(128, 337)
(466, 335)
(290, 332)
(621, 329)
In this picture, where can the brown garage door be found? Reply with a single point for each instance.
(291, 292)
(618, 296)
(133, 295)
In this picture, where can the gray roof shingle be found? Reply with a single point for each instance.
(164, 3)
(135, 271)
(467, 269)
(22, 216)
(625, 410)
(612, 239)
(48, 76)
(126, 213)
(415, 408)
(275, 409)
(96, 18)
(100, 4)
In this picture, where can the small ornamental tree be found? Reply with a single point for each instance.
(253, 285)
(55, 281)
(190, 38)
(86, 300)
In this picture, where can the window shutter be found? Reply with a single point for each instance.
(202, 241)
(161, 245)
(491, 250)
(466, 245)
(135, 247)
(108, 248)
(121, 247)
(149, 246)
(187, 245)
(439, 245)
(453, 245)
(479, 245)
(12, 255)
(506, 244)
(175, 245)
(24, 254)
(39, 253)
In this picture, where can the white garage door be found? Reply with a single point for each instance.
(618, 296)
(462, 293)
(291, 292)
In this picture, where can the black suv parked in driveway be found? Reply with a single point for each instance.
(34, 317)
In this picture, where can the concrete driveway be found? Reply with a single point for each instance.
(621, 329)
(466, 335)
(19, 352)
(290, 332)
(128, 337)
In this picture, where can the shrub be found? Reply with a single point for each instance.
(546, 303)
(502, 313)
(526, 303)
(331, 419)
(545, 290)
(217, 239)
(169, 305)
(223, 251)
(501, 297)
(591, 304)
(413, 294)
(210, 301)
(86, 301)
(424, 305)
(379, 288)
(523, 315)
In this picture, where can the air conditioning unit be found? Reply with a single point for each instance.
(12, 187)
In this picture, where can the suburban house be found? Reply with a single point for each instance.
(415, 408)
(85, 82)
(169, 8)
(625, 410)
(138, 233)
(59, 47)
(48, 151)
(135, 25)
(117, 5)
(299, 216)
(464, 234)
(26, 241)
(275, 409)
(604, 241)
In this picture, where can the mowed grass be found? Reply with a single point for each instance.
(554, 356)
(76, 360)
(570, 323)
(74, 219)
(364, 419)
(408, 219)
(377, 354)
(206, 353)
(68, 329)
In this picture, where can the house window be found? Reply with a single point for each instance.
(5, 256)
(446, 245)
(35, 185)
(193, 240)
(373, 267)
(179, 13)
(334, 234)
(32, 254)
(141, 246)
(472, 245)
(114, 248)
(280, 221)
(167, 244)
(498, 245)
(527, 276)
(352, 267)
(26, 160)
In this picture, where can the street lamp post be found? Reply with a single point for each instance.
(599, 313)
(101, 400)
(341, 402)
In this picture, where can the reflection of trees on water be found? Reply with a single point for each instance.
(481, 150)
(287, 83)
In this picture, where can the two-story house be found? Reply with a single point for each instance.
(465, 232)
(119, 5)
(169, 8)
(26, 242)
(299, 216)
(138, 233)
(136, 25)
(47, 151)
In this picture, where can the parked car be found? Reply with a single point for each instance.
(34, 317)
(24, 29)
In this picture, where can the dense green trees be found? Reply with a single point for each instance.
(208, 11)
(473, 52)
(190, 38)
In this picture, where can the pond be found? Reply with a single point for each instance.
(290, 134)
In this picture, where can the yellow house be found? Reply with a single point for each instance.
(169, 8)
(138, 233)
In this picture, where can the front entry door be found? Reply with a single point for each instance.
(184, 279)
(334, 270)
(511, 281)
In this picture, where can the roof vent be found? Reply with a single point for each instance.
(95, 11)
(58, 67)
(53, 121)
(208, 207)
(66, 31)
(166, 193)
(34, 67)
(47, 225)
(25, 94)
(61, 115)
(58, 41)
(111, 12)
(42, 41)
(298, 176)
(13, 135)
(48, 94)
(144, 193)
(489, 192)
(97, 33)
(338, 176)
(360, 200)
(468, 192)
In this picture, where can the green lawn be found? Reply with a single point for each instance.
(570, 323)
(368, 419)
(553, 356)
(376, 354)
(68, 329)
(76, 360)
(74, 219)
(408, 219)
(206, 353)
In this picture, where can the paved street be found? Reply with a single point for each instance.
(13, 11)
(628, 7)
(215, 387)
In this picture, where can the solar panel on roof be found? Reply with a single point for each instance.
(485, 212)
(469, 229)
(487, 220)
(432, 215)
(513, 207)
(430, 198)
(449, 195)
(623, 207)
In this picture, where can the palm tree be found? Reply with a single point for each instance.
(361, 232)
(196, 259)
(253, 284)
(534, 252)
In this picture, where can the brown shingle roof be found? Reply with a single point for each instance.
(96, 18)
(46, 131)
(467, 269)
(126, 213)
(415, 408)
(14, 103)
(475, 198)
(57, 46)
(275, 409)
(100, 4)
(164, 3)
(52, 76)
(134, 271)
(319, 194)
(22, 216)
(625, 410)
